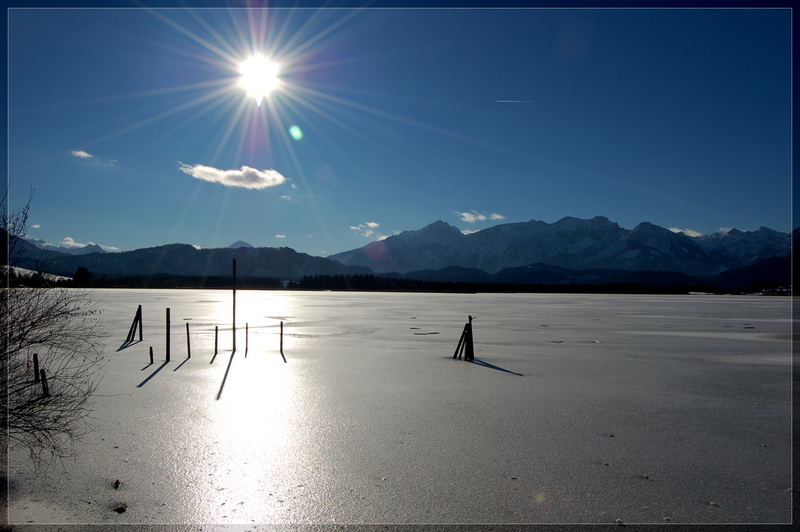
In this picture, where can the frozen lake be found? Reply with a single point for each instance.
(372, 421)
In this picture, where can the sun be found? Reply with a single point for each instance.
(259, 77)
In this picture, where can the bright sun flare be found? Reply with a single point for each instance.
(259, 77)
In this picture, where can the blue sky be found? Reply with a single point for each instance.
(132, 129)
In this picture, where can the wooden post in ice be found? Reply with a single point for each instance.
(36, 367)
(216, 338)
(282, 355)
(234, 304)
(45, 387)
(470, 350)
(167, 334)
(465, 345)
(188, 345)
(139, 314)
(151, 354)
(246, 338)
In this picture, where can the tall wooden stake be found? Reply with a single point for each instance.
(216, 338)
(246, 338)
(281, 337)
(151, 354)
(188, 345)
(234, 304)
(139, 312)
(167, 334)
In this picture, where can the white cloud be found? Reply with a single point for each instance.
(687, 232)
(280, 236)
(69, 242)
(383, 237)
(286, 197)
(468, 231)
(725, 229)
(36, 226)
(495, 216)
(293, 185)
(86, 156)
(244, 177)
(367, 229)
(471, 217)
(195, 246)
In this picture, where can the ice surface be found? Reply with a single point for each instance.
(371, 422)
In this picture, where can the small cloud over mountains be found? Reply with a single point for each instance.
(687, 232)
(70, 243)
(96, 161)
(473, 216)
(36, 226)
(280, 236)
(367, 229)
(244, 177)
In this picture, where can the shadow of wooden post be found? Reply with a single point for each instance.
(45, 387)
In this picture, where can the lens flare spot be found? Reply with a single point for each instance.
(540, 500)
(296, 132)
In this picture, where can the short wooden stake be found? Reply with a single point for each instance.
(216, 338)
(151, 354)
(167, 334)
(36, 367)
(45, 388)
(188, 345)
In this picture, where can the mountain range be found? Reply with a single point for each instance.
(569, 251)
(572, 243)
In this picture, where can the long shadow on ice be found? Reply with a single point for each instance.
(185, 360)
(221, 386)
(152, 374)
(126, 345)
(498, 368)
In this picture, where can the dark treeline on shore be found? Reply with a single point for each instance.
(377, 283)
(84, 279)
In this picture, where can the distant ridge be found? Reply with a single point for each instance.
(572, 243)
(240, 244)
(182, 260)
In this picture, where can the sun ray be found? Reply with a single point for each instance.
(214, 33)
(207, 45)
(162, 115)
(232, 123)
(221, 102)
(299, 169)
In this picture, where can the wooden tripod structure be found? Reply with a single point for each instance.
(137, 324)
(465, 346)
